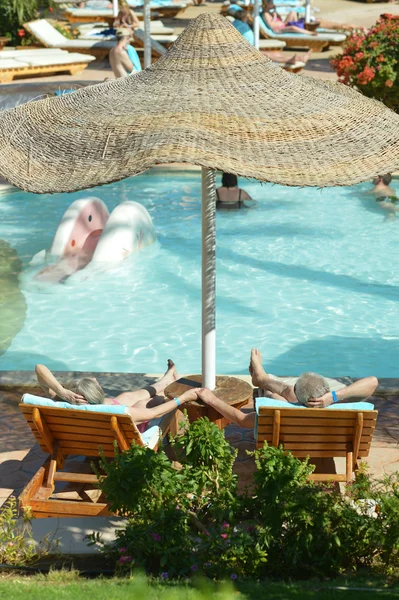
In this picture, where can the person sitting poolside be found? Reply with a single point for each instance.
(144, 404)
(123, 58)
(290, 23)
(241, 24)
(311, 390)
(229, 195)
(127, 18)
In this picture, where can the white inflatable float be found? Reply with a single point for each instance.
(88, 234)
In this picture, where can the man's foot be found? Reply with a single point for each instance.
(256, 369)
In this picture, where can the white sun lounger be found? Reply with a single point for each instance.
(318, 42)
(48, 36)
(28, 63)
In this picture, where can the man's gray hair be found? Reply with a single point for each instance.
(310, 385)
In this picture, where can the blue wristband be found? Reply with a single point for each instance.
(334, 396)
(177, 401)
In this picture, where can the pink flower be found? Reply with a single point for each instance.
(223, 535)
(366, 76)
(122, 550)
(389, 83)
(225, 525)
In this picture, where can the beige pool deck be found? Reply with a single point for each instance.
(341, 11)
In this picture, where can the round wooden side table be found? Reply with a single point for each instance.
(231, 390)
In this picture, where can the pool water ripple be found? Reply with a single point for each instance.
(308, 276)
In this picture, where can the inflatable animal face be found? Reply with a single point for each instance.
(88, 234)
(129, 228)
(80, 227)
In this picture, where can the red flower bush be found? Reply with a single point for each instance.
(370, 62)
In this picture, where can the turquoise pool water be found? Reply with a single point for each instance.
(309, 277)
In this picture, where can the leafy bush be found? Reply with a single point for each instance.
(13, 14)
(17, 546)
(370, 62)
(193, 519)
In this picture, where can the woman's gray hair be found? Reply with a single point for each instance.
(310, 385)
(91, 390)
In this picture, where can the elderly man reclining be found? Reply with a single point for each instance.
(310, 390)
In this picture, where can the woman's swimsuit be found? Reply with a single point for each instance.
(228, 205)
(140, 426)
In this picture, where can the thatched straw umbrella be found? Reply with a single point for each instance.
(212, 101)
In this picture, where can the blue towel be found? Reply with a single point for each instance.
(134, 57)
(115, 409)
(273, 403)
(245, 30)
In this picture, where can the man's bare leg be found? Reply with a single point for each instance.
(151, 391)
(260, 379)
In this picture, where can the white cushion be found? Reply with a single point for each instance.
(11, 63)
(46, 33)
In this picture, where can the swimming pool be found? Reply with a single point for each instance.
(308, 276)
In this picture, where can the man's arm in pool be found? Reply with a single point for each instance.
(246, 420)
(360, 390)
(146, 414)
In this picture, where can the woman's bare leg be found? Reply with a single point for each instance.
(151, 391)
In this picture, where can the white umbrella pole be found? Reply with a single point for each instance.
(307, 11)
(115, 7)
(147, 34)
(256, 23)
(208, 278)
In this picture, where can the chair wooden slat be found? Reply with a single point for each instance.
(72, 432)
(319, 433)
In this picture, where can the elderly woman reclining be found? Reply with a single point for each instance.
(144, 404)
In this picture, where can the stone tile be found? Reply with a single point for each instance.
(242, 448)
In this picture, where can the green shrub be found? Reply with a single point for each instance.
(17, 546)
(370, 62)
(191, 520)
(13, 14)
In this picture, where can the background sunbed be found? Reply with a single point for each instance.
(49, 37)
(31, 62)
(318, 42)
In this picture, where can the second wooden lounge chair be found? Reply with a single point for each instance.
(318, 433)
(29, 63)
(49, 37)
(318, 42)
(64, 430)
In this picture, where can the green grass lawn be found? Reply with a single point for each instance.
(69, 586)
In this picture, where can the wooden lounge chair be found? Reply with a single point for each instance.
(71, 431)
(318, 433)
(29, 63)
(49, 37)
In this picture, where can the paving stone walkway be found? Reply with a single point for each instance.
(20, 455)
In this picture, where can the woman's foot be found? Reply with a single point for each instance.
(169, 377)
(256, 369)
